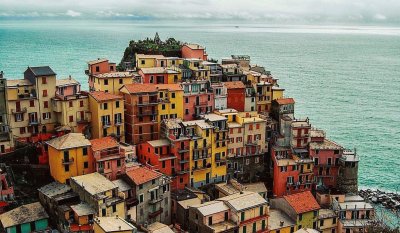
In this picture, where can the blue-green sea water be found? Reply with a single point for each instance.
(345, 79)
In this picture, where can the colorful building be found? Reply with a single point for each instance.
(109, 158)
(300, 207)
(160, 75)
(236, 95)
(327, 221)
(100, 194)
(69, 156)
(107, 115)
(152, 192)
(148, 60)
(5, 142)
(232, 72)
(141, 112)
(170, 97)
(7, 185)
(198, 99)
(279, 222)
(112, 225)
(194, 51)
(71, 107)
(198, 70)
(27, 218)
(220, 95)
(263, 96)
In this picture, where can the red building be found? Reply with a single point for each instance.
(198, 99)
(236, 95)
(290, 174)
(326, 155)
(194, 51)
(159, 75)
(109, 158)
(99, 66)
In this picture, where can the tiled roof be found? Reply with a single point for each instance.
(103, 143)
(114, 224)
(170, 87)
(114, 75)
(140, 88)
(94, 183)
(142, 175)
(99, 60)
(104, 96)
(302, 202)
(23, 214)
(285, 101)
(211, 207)
(83, 209)
(66, 82)
(18, 82)
(158, 227)
(234, 85)
(54, 189)
(42, 71)
(244, 200)
(71, 140)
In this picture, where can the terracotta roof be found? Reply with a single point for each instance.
(170, 87)
(302, 202)
(234, 85)
(99, 60)
(103, 143)
(142, 175)
(104, 96)
(138, 87)
(285, 101)
(71, 140)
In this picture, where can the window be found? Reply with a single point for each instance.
(173, 95)
(210, 221)
(106, 82)
(84, 151)
(242, 216)
(163, 107)
(44, 93)
(44, 80)
(46, 115)
(334, 220)
(22, 130)
(71, 118)
(85, 164)
(247, 161)
(315, 161)
(300, 218)
(98, 70)
(140, 186)
(261, 210)
(321, 223)
(121, 81)
(117, 104)
(105, 106)
(173, 106)
(186, 100)
(46, 104)
(66, 168)
(143, 62)
(141, 198)
(244, 229)
(186, 111)
(19, 117)
(118, 163)
(31, 103)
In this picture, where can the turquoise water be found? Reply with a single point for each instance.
(346, 79)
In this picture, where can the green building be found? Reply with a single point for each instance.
(25, 219)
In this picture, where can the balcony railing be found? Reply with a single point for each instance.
(27, 96)
(155, 213)
(82, 121)
(198, 157)
(183, 149)
(106, 124)
(151, 102)
(33, 122)
(67, 162)
(182, 171)
(147, 113)
(132, 201)
(18, 110)
(198, 168)
(251, 143)
(155, 200)
(117, 121)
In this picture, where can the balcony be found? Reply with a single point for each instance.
(195, 169)
(147, 113)
(18, 110)
(251, 143)
(221, 139)
(33, 122)
(82, 121)
(144, 103)
(27, 96)
(67, 162)
(118, 122)
(164, 100)
(4, 136)
(184, 161)
(198, 157)
(183, 150)
(182, 171)
(156, 200)
(132, 201)
(106, 124)
(155, 213)
(205, 147)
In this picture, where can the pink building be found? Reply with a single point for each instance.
(198, 99)
(99, 66)
(194, 51)
(109, 157)
(67, 87)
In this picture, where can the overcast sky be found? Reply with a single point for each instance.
(368, 11)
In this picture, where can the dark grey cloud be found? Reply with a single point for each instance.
(262, 10)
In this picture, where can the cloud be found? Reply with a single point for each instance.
(262, 10)
(73, 13)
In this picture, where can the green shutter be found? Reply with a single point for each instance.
(242, 216)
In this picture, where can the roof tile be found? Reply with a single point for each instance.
(103, 143)
(104, 96)
(302, 202)
(142, 175)
(234, 85)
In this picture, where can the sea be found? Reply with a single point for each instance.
(345, 79)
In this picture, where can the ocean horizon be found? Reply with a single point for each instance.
(343, 77)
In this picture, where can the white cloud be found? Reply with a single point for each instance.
(379, 17)
(73, 13)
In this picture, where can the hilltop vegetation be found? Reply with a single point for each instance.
(169, 47)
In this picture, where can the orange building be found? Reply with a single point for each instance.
(194, 51)
(109, 158)
(141, 111)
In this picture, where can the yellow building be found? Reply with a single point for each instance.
(107, 115)
(100, 194)
(170, 102)
(327, 221)
(71, 108)
(263, 96)
(219, 146)
(280, 222)
(277, 92)
(200, 152)
(199, 71)
(69, 156)
(112, 225)
(148, 61)
(111, 82)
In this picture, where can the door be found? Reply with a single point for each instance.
(207, 178)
